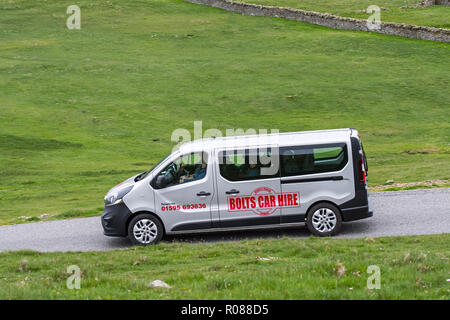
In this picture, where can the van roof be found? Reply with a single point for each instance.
(281, 139)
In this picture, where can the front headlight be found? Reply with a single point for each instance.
(115, 197)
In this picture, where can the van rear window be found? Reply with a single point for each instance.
(301, 160)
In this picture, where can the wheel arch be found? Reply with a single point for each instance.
(321, 201)
(143, 212)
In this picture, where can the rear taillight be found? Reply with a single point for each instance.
(362, 173)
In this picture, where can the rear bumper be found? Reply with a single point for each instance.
(356, 213)
(114, 220)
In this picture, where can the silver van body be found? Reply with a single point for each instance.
(303, 169)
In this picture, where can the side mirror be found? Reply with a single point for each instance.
(161, 181)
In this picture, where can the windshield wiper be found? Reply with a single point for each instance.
(139, 177)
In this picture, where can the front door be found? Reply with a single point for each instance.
(184, 194)
(248, 186)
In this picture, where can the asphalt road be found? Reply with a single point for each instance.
(396, 213)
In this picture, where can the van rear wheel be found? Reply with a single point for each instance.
(324, 219)
(145, 229)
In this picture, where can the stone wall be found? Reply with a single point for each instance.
(328, 20)
(428, 3)
(443, 2)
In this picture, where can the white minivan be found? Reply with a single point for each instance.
(245, 182)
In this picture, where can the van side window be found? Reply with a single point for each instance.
(300, 160)
(248, 164)
(187, 168)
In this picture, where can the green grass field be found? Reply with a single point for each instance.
(81, 110)
(433, 16)
(415, 267)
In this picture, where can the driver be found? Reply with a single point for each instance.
(199, 173)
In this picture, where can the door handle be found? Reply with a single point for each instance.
(232, 191)
(203, 194)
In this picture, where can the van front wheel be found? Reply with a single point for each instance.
(145, 229)
(324, 219)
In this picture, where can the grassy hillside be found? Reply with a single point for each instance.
(313, 268)
(433, 16)
(82, 110)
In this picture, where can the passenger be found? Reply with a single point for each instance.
(243, 168)
(292, 164)
(308, 163)
(253, 171)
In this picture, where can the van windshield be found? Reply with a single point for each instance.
(146, 173)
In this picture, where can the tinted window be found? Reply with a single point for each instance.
(312, 159)
(248, 164)
(187, 168)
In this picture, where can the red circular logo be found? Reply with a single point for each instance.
(265, 193)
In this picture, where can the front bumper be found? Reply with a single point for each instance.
(356, 213)
(114, 220)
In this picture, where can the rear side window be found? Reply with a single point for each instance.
(248, 164)
(301, 160)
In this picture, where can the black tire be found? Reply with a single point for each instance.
(147, 223)
(326, 224)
